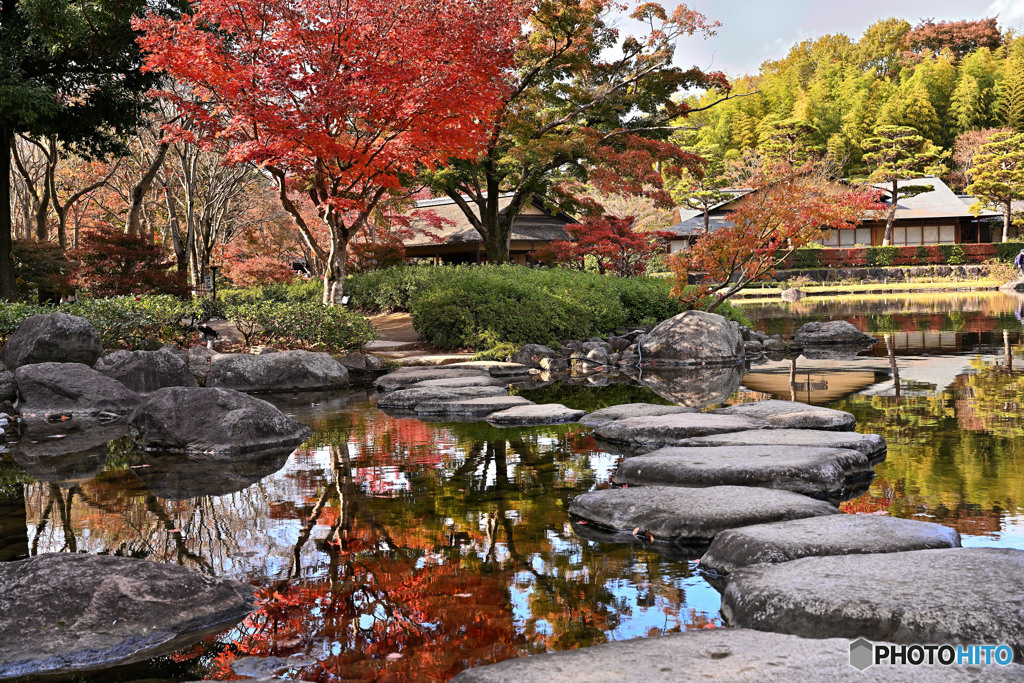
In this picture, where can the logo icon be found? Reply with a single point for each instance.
(861, 654)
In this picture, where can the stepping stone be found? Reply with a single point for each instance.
(473, 407)
(871, 445)
(958, 596)
(793, 415)
(65, 613)
(689, 516)
(494, 368)
(405, 377)
(812, 471)
(546, 414)
(469, 381)
(658, 431)
(821, 536)
(717, 654)
(630, 410)
(414, 396)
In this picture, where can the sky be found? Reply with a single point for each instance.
(755, 30)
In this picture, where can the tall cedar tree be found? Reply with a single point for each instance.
(702, 186)
(898, 153)
(68, 70)
(789, 209)
(339, 101)
(580, 106)
(997, 175)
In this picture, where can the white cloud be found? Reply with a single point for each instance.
(1010, 12)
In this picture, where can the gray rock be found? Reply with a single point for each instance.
(546, 414)
(626, 411)
(613, 358)
(695, 387)
(199, 360)
(146, 371)
(359, 361)
(70, 388)
(54, 338)
(752, 347)
(835, 535)
(472, 407)
(265, 667)
(416, 395)
(774, 344)
(554, 364)
(691, 516)
(760, 336)
(467, 381)
(812, 471)
(213, 421)
(530, 355)
(835, 351)
(64, 453)
(793, 415)
(276, 372)
(871, 445)
(405, 377)
(494, 368)
(628, 358)
(957, 595)
(792, 295)
(831, 332)
(176, 476)
(718, 654)
(693, 337)
(618, 344)
(657, 431)
(8, 386)
(68, 613)
(599, 356)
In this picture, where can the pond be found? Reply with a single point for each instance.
(387, 548)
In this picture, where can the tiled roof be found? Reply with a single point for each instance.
(536, 228)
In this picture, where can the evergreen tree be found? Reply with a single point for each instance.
(968, 110)
(701, 187)
(1011, 105)
(997, 175)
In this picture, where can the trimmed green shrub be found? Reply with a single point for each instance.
(921, 254)
(882, 256)
(297, 291)
(1007, 251)
(805, 259)
(953, 254)
(141, 321)
(392, 289)
(298, 325)
(12, 313)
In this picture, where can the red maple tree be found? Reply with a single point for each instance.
(613, 244)
(339, 101)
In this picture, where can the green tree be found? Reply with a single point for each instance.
(793, 141)
(582, 106)
(968, 108)
(1011, 96)
(899, 153)
(997, 175)
(700, 187)
(881, 47)
(68, 70)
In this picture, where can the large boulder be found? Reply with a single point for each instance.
(276, 372)
(70, 388)
(793, 415)
(695, 387)
(66, 452)
(146, 371)
(54, 338)
(832, 332)
(8, 386)
(66, 613)
(213, 421)
(956, 596)
(532, 354)
(820, 536)
(694, 337)
(717, 654)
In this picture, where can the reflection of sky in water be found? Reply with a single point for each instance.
(1010, 536)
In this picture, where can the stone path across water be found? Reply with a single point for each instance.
(871, 445)
(473, 407)
(658, 431)
(544, 414)
(793, 415)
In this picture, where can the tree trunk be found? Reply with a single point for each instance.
(6, 260)
(134, 223)
(334, 273)
(498, 240)
(1006, 220)
(890, 216)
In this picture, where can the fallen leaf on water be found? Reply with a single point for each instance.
(581, 522)
(174, 531)
(395, 655)
(463, 595)
(636, 531)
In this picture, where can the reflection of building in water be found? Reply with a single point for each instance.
(816, 381)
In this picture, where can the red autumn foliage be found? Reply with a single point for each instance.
(613, 244)
(110, 262)
(959, 37)
(342, 102)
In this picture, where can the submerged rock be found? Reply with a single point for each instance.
(820, 536)
(871, 445)
(213, 420)
(670, 430)
(812, 471)
(53, 338)
(693, 337)
(793, 415)
(690, 516)
(65, 453)
(546, 414)
(628, 410)
(70, 388)
(958, 595)
(831, 332)
(472, 407)
(179, 476)
(70, 613)
(718, 654)
(275, 372)
(146, 371)
(406, 377)
(416, 395)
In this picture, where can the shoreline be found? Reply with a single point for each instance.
(773, 294)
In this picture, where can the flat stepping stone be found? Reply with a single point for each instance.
(657, 431)
(473, 407)
(630, 410)
(812, 471)
(958, 596)
(793, 415)
(717, 654)
(871, 445)
(405, 377)
(65, 613)
(414, 396)
(468, 381)
(494, 367)
(691, 516)
(822, 536)
(546, 414)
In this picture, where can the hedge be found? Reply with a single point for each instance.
(932, 254)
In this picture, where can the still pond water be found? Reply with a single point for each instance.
(387, 548)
